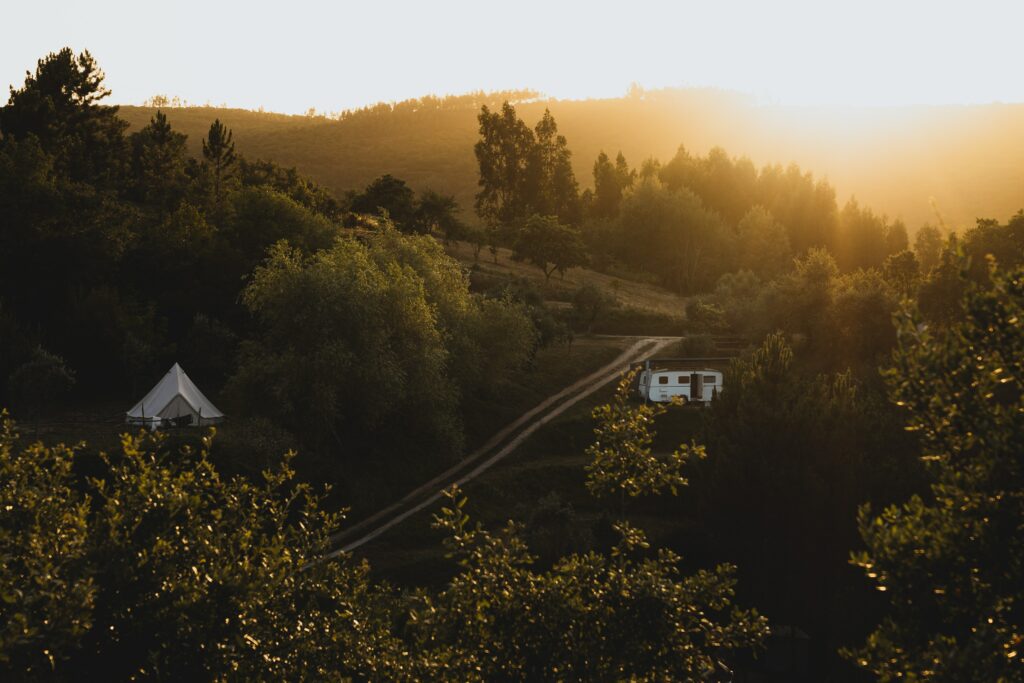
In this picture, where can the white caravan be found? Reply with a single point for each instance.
(661, 385)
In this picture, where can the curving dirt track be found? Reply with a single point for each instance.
(487, 455)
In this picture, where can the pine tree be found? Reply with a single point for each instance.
(219, 153)
(158, 163)
(59, 105)
(606, 188)
(610, 181)
(552, 188)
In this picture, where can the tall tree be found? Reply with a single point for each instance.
(333, 323)
(902, 271)
(989, 239)
(940, 297)
(439, 212)
(551, 185)
(219, 154)
(806, 207)
(896, 239)
(862, 239)
(649, 169)
(672, 234)
(610, 181)
(52, 223)
(928, 247)
(390, 194)
(787, 465)
(607, 194)
(807, 295)
(762, 243)
(952, 564)
(503, 154)
(158, 163)
(59, 105)
(626, 175)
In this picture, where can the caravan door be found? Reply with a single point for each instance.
(697, 386)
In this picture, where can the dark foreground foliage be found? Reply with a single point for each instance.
(158, 568)
(952, 562)
(161, 569)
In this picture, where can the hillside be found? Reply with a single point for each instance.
(638, 295)
(968, 159)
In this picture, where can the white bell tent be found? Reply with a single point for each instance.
(177, 400)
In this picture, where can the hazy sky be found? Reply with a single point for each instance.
(289, 56)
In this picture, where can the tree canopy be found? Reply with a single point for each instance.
(550, 245)
(161, 568)
(951, 564)
(523, 171)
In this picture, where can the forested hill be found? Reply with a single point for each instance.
(969, 159)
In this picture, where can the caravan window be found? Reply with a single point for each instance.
(709, 379)
(663, 379)
(684, 379)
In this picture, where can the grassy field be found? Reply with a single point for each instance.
(629, 293)
(554, 368)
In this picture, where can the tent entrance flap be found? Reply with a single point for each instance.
(178, 407)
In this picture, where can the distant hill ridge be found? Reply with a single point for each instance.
(968, 159)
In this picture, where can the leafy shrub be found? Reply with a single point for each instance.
(40, 382)
(552, 528)
(705, 315)
(161, 568)
(589, 303)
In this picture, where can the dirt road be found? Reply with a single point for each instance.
(493, 451)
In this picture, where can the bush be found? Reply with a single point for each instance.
(40, 383)
(739, 296)
(550, 329)
(704, 315)
(588, 303)
(553, 529)
(251, 445)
